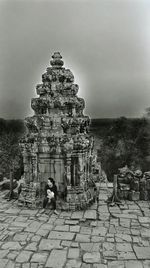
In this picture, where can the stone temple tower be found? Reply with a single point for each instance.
(57, 143)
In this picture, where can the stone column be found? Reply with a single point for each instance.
(68, 169)
(81, 169)
(34, 161)
(34, 167)
(27, 163)
(87, 167)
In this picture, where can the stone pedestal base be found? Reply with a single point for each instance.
(77, 198)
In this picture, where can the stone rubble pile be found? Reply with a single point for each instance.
(133, 185)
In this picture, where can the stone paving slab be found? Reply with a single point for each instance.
(61, 235)
(90, 214)
(49, 244)
(56, 259)
(101, 237)
(142, 252)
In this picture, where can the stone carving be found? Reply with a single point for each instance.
(31, 124)
(57, 143)
(40, 89)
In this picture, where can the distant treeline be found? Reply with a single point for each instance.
(15, 126)
(121, 141)
(10, 155)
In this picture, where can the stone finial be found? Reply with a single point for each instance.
(57, 61)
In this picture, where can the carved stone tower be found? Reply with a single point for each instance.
(57, 143)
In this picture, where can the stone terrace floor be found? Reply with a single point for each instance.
(100, 237)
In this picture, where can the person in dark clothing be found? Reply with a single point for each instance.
(50, 194)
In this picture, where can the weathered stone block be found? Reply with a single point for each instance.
(134, 196)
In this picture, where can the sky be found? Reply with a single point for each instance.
(105, 43)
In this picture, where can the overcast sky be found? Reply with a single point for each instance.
(105, 43)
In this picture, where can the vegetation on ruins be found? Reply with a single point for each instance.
(10, 156)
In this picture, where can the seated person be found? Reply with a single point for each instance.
(50, 194)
